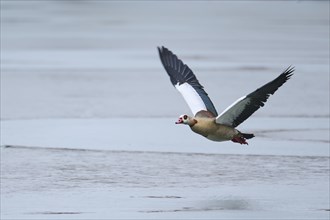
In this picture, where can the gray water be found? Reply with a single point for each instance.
(35, 169)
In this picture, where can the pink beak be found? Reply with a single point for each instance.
(180, 121)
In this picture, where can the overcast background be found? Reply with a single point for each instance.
(88, 112)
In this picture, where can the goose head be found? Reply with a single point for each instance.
(184, 119)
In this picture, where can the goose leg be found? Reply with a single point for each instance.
(239, 139)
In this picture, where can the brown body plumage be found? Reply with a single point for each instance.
(208, 128)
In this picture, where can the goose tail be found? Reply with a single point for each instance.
(247, 136)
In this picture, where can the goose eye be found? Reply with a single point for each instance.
(185, 117)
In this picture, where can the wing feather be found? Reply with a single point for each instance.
(186, 82)
(245, 106)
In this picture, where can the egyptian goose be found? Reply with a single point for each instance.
(206, 121)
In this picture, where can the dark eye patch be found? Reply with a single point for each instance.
(185, 117)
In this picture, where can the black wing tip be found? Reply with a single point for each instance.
(163, 49)
(288, 72)
(178, 71)
(168, 58)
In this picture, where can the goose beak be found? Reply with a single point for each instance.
(180, 121)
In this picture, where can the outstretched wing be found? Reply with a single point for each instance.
(245, 106)
(187, 84)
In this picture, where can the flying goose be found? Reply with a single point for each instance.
(206, 121)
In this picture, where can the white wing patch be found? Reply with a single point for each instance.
(238, 100)
(192, 98)
(231, 112)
